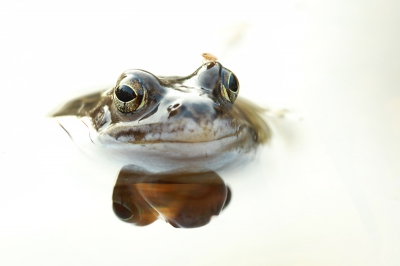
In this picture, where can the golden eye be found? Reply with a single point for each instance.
(130, 95)
(229, 86)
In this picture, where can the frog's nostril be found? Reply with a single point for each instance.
(173, 107)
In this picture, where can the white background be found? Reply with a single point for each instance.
(324, 191)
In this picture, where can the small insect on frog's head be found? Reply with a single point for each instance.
(209, 58)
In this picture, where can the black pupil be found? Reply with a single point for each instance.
(125, 93)
(232, 83)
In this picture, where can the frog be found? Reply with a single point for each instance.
(170, 123)
(171, 136)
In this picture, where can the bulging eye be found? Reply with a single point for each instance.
(130, 95)
(229, 85)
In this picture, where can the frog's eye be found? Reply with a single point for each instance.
(130, 95)
(229, 86)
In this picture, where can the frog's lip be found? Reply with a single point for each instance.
(241, 143)
(182, 133)
(233, 137)
(78, 129)
(236, 135)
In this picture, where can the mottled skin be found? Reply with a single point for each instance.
(186, 122)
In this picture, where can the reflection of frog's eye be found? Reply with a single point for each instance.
(229, 86)
(129, 96)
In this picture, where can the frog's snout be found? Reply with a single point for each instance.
(201, 109)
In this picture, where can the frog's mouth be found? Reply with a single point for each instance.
(185, 131)
(186, 138)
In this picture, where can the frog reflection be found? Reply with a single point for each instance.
(168, 125)
(185, 200)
